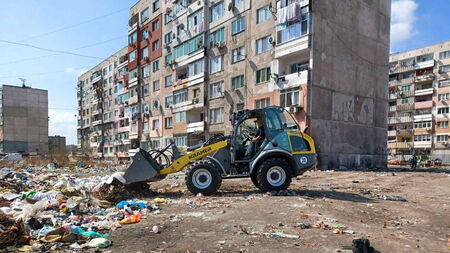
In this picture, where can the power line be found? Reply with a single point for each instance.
(72, 26)
(50, 50)
(49, 55)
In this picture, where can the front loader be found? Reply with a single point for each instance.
(271, 162)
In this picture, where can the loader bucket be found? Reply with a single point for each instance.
(143, 168)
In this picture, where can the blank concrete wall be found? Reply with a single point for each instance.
(348, 99)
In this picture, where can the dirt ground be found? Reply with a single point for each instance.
(241, 219)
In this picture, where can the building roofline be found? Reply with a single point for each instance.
(435, 44)
(106, 59)
(20, 86)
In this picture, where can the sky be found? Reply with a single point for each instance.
(32, 30)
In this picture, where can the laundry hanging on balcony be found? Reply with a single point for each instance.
(292, 12)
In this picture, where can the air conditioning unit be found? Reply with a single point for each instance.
(293, 109)
(146, 109)
(271, 41)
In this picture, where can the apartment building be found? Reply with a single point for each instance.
(194, 62)
(23, 120)
(419, 88)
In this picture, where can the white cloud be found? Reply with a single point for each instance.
(63, 123)
(403, 17)
(78, 72)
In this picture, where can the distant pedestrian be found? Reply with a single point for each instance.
(414, 162)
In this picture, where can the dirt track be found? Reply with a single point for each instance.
(240, 218)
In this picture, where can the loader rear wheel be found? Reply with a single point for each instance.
(203, 177)
(254, 180)
(274, 175)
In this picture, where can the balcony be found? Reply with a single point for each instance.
(405, 68)
(405, 132)
(96, 79)
(392, 108)
(392, 120)
(393, 83)
(291, 47)
(404, 145)
(96, 122)
(405, 107)
(132, 152)
(405, 94)
(392, 95)
(197, 79)
(406, 81)
(196, 127)
(404, 119)
(424, 64)
(423, 105)
(123, 129)
(392, 133)
(424, 78)
(291, 80)
(422, 144)
(133, 100)
(392, 145)
(424, 92)
(423, 117)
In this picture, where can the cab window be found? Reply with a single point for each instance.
(298, 143)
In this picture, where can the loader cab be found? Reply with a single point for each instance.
(275, 122)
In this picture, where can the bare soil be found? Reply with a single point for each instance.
(242, 219)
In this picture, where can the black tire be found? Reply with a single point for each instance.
(198, 175)
(277, 167)
(254, 180)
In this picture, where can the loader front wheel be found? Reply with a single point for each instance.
(203, 177)
(274, 175)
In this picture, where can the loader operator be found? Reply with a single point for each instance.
(259, 137)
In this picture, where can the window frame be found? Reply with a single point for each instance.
(235, 29)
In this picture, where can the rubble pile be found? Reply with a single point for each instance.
(45, 209)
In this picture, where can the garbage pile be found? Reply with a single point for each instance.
(41, 210)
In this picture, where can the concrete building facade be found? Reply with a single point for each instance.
(23, 120)
(193, 63)
(57, 143)
(419, 103)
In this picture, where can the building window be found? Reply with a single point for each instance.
(442, 124)
(263, 45)
(168, 122)
(422, 138)
(155, 65)
(289, 97)
(180, 141)
(216, 115)
(263, 14)
(423, 124)
(444, 83)
(195, 68)
(238, 54)
(144, 15)
(405, 101)
(444, 55)
(145, 128)
(155, 5)
(263, 75)
(133, 74)
(443, 110)
(217, 36)
(180, 117)
(156, 144)
(156, 85)
(145, 90)
(216, 64)
(195, 19)
(179, 96)
(133, 55)
(217, 11)
(262, 103)
(168, 101)
(146, 71)
(144, 53)
(238, 26)
(442, 138)
(445, 68)
(168, 81)
(237, 82)
(132, 38)
(155, 25)
(155, 124)
(236, 2)
(216, 90)
(168, 38)
(168, 17)
(155, 45)
(443, 97)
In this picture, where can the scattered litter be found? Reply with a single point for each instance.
(155, 229)
(99, 243)
(391, 198)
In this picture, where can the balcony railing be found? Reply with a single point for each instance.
(405, 132)
(393, 96)
(422, 144)
(392, 133)
(404, 119)
(196, 127)
(423, 105)
(405, 107)
(405, 94)
(424, 78)
(392, 108)
(424, 64)
(424, 92)
(404, 145)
